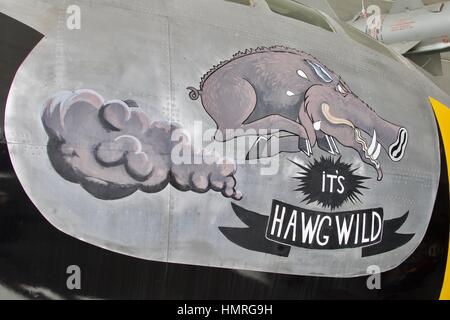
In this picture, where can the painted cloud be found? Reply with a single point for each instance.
(112, 149)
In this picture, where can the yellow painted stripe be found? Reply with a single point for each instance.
(443, 116)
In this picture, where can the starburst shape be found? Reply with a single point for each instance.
(312, 183)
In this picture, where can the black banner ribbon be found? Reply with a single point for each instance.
(289, 226)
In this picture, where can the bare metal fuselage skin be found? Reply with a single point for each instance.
(150, 52)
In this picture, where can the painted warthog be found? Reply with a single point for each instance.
(285, 90)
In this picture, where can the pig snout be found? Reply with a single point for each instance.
(345, 117)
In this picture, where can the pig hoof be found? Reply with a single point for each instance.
(305, 146)
(327, 143)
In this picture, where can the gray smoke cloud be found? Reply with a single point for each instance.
(112, 149)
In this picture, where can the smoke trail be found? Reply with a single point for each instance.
(112, 149)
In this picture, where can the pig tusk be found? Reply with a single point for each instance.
(376, 155)
(373, 145)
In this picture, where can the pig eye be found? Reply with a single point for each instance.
(341, 89)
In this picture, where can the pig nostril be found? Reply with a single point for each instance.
(397, 149)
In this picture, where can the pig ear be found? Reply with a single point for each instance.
(321, 72)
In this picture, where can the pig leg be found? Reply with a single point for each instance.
(229, 106)
(307, 123)
(277, 123)
(315, 135)
(270, 147)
